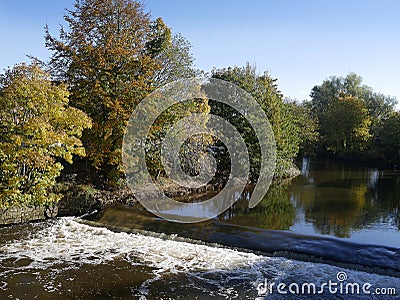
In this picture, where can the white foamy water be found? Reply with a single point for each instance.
(68, 241)
(217, 271)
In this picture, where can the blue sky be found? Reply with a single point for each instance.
(299, 42)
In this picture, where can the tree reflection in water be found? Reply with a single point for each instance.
(275, 211)
(331, 198)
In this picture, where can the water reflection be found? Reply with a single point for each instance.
(372, 178)
(340, 199)
(275, 211)
(305, 167)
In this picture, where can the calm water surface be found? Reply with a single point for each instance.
(339, 199)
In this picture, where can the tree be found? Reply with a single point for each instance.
(304, 126)
(38, 130)
(104, 58)
(325, 100)
(176, 61)
(388, 138)
(281, 116)
(112, 56)
(265, 92)
(346, 126)
(378, 105)
(332, 89)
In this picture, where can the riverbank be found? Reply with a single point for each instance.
(23, 214)
(81, 198)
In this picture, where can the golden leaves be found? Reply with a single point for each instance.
(38, 127)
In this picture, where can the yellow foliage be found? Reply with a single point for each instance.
(37, 128)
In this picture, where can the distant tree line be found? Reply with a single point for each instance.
(76, 106)
(354, 121)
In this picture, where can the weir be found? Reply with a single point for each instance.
(67, 259)
(368, 258)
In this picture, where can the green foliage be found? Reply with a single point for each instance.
(113, 56)
(378, 105)
(350, 114)
(287, 119)
(37, 128)
(176, 62)
(160, 38)
(388, 141)
(346, 126)
(334, 88)
(163, 124)
(304, 127)
(265, 91)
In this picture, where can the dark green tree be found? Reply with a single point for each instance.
(285, 118)
(388, 138)
(304, 125)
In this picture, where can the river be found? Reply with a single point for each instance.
(334, 227)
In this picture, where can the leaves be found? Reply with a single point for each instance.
(388, 138)
(350, 114)
(113, 55)
(286, 121)
(346, 126)
(37, 128)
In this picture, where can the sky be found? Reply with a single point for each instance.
(299, 42)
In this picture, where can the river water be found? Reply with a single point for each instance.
(335, 227)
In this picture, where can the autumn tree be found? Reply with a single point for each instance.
(104, 58)
(38, 130)
(112, 55)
